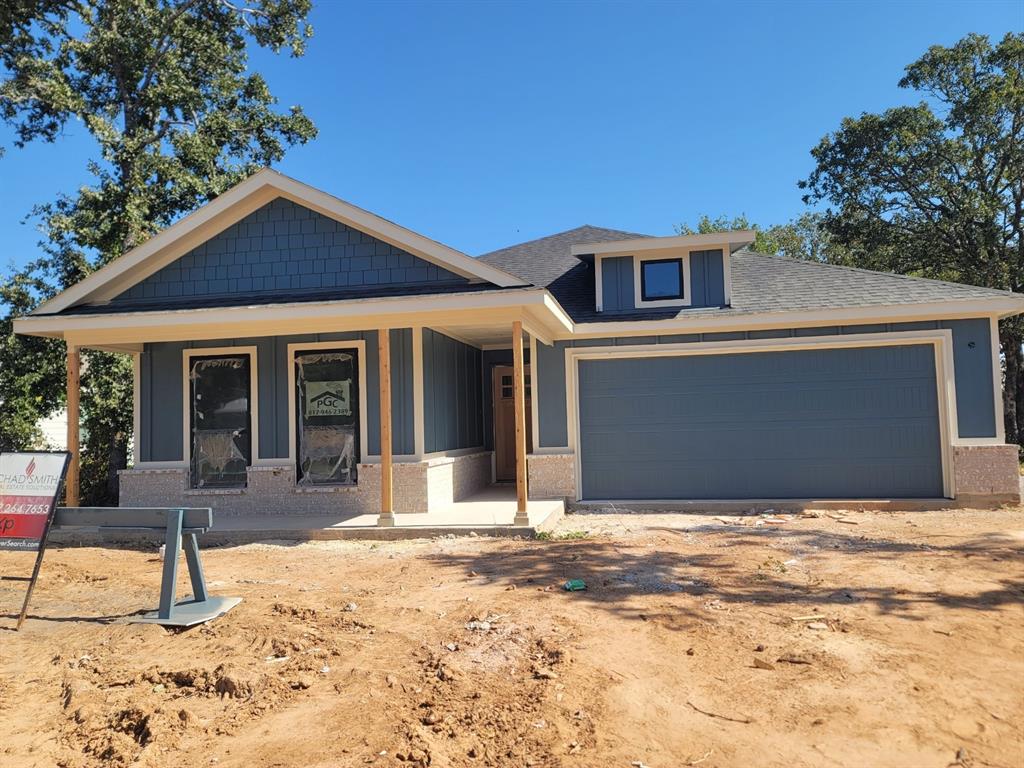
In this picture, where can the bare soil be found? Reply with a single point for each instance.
(877, 639)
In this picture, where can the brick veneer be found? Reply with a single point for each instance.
(419, 487)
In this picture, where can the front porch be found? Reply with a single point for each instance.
(489, 512)
(420, 439)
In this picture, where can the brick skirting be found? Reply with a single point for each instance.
(986, 475)
(421, 486)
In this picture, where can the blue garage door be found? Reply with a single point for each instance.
(831, 423)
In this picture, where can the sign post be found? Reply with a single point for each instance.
(29, 486)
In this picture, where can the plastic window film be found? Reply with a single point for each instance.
(215, 448)
(326, 451)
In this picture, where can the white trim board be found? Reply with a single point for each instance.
(712, 320)
(997, 383)
(136, 408)
(942, 341)
(360, 346)
(731, 240)
(186, 399)
(639, 259)
(237, 203)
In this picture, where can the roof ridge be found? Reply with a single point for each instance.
(864, 270)
(559, 234)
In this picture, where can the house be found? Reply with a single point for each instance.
(296, 354)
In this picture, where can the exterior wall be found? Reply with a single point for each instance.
(452, 411)
(282, 248)
(163, 393)
(551, 475)
(987, 474)
(452, 478)
(419, 488)
(617, 284)
(971, 354)
(707, 281)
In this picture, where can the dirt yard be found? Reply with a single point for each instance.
(878, 639)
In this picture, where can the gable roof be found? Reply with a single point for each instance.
(238, 202)
(760, 283)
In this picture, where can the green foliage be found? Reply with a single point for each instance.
(31, 369)
(937, 189)
(801, 238)
(164, 89)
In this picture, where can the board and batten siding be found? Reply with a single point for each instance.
(281, 248)
(972, 361)
(707, 281)
(452, 397)
(163, 396)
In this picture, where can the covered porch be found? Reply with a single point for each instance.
(426, 421)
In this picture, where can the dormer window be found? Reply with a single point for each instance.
(663, 272)
(661, 279)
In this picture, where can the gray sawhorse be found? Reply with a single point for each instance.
(181, 527)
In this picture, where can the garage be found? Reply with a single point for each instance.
(854, 422)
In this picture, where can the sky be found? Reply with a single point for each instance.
(487, 124)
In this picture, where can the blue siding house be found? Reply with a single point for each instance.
(295, 354)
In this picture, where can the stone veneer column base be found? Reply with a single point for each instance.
(419, 487)
(986, 475)
(551, 476)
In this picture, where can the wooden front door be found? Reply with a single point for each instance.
(505, 421)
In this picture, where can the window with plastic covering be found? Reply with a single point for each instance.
(327, 417)
(221, 420)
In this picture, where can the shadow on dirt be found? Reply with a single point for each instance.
(617, 570)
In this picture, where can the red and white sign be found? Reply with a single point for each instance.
(29, 483)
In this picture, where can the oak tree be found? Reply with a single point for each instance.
(164, 89)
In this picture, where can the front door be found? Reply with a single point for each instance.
(505, 421)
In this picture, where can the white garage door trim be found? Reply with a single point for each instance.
(941, 340)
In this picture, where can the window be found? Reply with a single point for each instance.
(220, 420)
(507, 390)
(661, 279)
(327, 417)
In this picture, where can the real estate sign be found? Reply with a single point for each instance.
(29, 484)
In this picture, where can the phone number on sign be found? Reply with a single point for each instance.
(23, 508)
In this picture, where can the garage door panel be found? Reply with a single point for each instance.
(818, 423)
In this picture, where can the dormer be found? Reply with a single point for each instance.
(656, 273)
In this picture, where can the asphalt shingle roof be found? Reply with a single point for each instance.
(760, 283)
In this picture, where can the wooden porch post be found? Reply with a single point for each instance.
(74, 370)
(519, 398)
(387, 512)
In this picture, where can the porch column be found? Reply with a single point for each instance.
(74, 371)
(387, 512)
(519, 398)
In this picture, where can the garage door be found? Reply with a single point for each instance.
(828, 423)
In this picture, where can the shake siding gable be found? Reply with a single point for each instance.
(283, 248)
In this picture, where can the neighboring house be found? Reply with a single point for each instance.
(656, 369)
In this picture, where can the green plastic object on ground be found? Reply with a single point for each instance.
(575, 585)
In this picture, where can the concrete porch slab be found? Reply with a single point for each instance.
(488, 513)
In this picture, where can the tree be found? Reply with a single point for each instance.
(937, 189)
(802, 238)
(163, 88)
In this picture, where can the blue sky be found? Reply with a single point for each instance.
(486, 124)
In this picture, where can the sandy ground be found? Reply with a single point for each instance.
(691, 646)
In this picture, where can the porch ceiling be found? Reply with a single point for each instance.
(480, 335)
